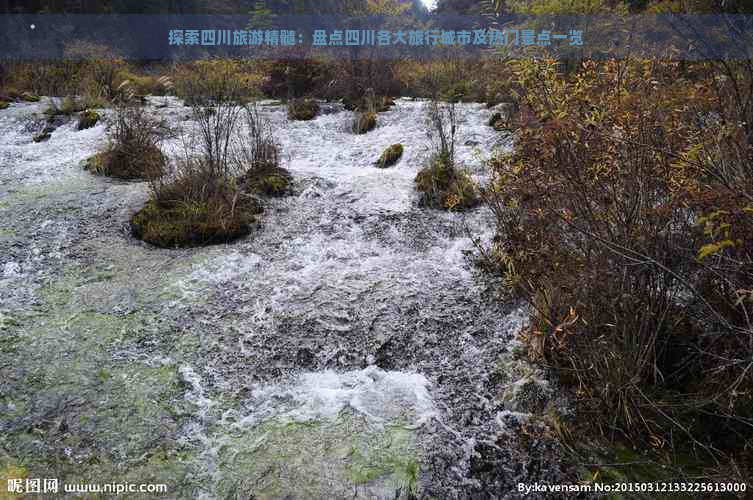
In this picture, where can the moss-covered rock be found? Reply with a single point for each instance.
(390, 156)
(188, 223)
(269, 181)
(364, 122)
(45, 134)
(42, 137)
(87, 119)
(443, 186)
(29, 97)
(303, 109)
(4, 105)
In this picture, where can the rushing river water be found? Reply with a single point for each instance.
(346, 349)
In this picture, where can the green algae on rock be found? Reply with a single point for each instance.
(322, 458)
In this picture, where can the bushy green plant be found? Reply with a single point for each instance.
(257, 155)
(268, 181)
(64, 107)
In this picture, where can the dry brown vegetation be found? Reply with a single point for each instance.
(624, 218)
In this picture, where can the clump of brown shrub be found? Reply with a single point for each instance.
(257, 154)
(203, 201)
(456, 79)
(441, 184)
(378, 104)
(133, 151)
(625, 217)
(365, 116)
(66, 106)
(304, 108)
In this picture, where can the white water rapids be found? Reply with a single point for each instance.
(343, 350)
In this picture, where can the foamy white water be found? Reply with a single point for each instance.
(344, 349)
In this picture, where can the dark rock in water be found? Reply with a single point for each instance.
(471, 142)
(385, 355)
(305, 358)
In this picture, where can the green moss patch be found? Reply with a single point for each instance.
(303, 109)
(364, 122)
(390, 156)
(189, 223)
(4, 104)
(443, 186)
